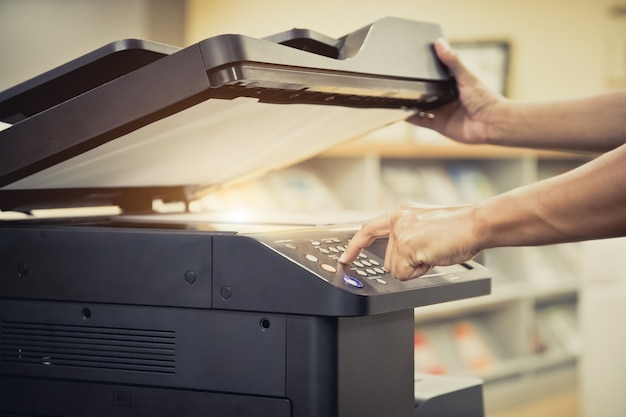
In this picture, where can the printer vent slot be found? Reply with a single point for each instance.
(106, 348)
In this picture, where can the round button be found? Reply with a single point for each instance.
(329, 268)
(190, 277)
(381, 281)
(22, 270)
(312, 258)
(352, 281)
(225, 293)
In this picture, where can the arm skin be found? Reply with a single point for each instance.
(480, 116)
(586, 203)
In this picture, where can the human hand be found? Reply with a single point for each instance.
(467, 119)
(420, 237)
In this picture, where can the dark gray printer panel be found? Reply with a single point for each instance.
(144, 345)
(108, 265)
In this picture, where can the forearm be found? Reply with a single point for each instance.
(586, 203)
(593, 124)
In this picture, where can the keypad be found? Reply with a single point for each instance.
(321, 254)
(325, 253)
(362, 268)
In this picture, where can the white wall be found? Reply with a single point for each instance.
(37, 35)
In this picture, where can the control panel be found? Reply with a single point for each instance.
(319, 251)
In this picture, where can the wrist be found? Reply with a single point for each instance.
(486, 221)
(500, 122)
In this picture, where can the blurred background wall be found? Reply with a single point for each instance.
(37, 35)
(560, 48)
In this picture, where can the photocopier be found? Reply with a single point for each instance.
(151, 315)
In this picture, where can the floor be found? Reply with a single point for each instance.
(563, 404)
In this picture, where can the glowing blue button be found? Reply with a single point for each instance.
(352, 281)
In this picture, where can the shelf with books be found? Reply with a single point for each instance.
(470, 345)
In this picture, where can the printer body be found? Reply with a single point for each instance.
(153, 315)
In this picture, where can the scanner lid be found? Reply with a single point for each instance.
(139, 120)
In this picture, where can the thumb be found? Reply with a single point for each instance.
(447, 55)
(452, 60)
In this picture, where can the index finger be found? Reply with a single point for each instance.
(371, 230)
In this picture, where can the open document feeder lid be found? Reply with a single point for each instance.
(208, 114)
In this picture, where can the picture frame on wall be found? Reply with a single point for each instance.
(489, 60)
